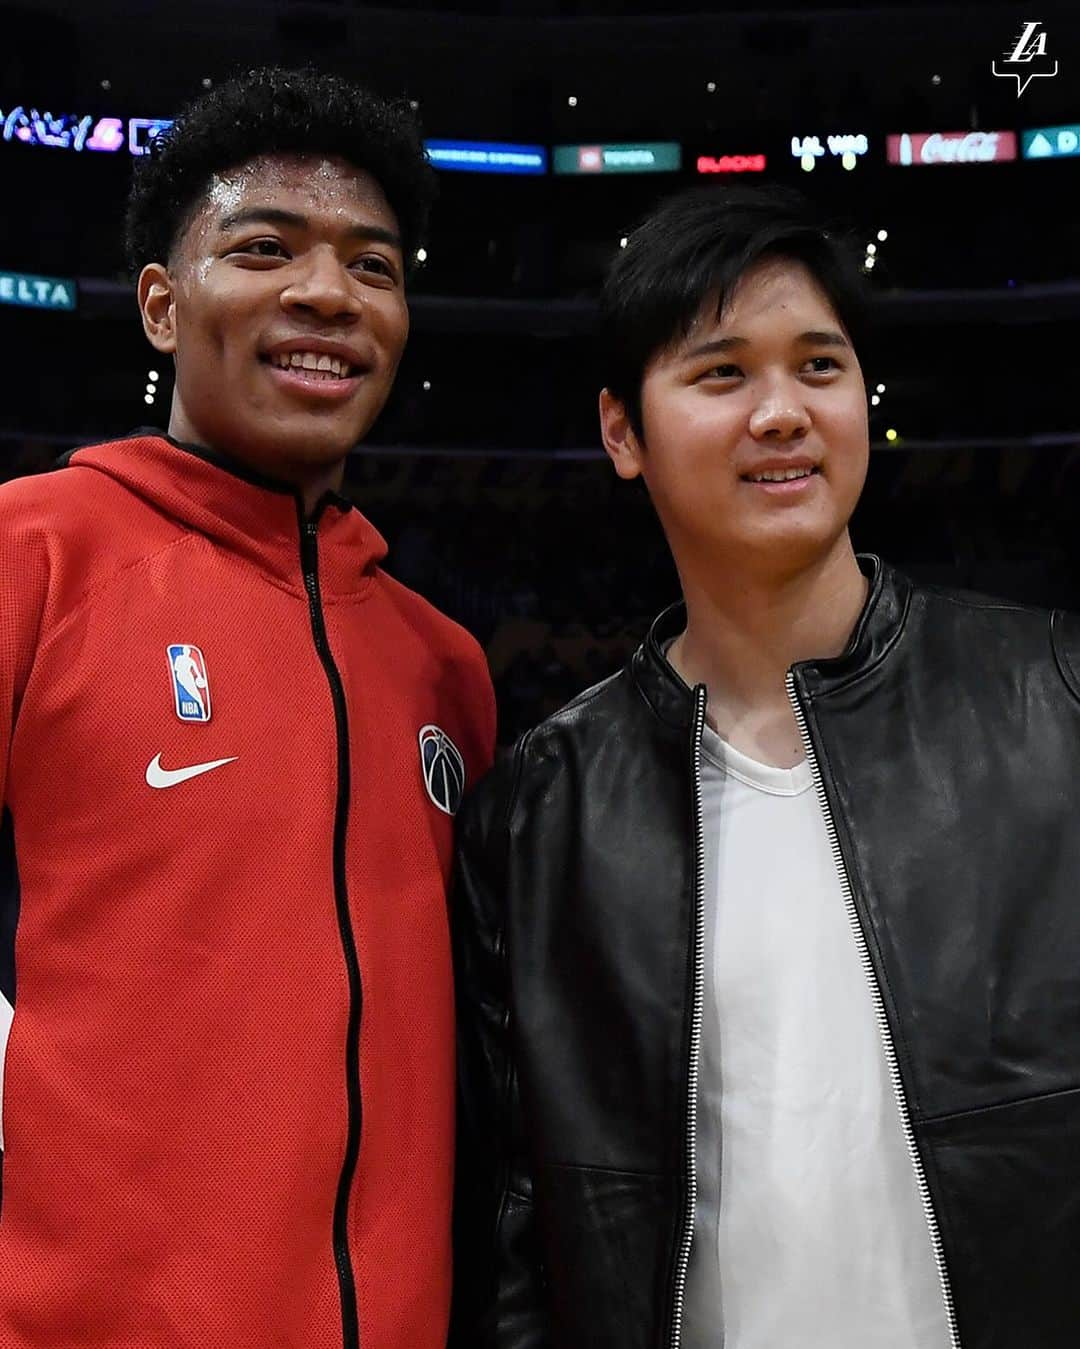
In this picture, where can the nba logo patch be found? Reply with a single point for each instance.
(191, 688)
(443, 769)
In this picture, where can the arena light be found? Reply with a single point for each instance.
(891, 435)
(882, 235)
(644, 157)
(37, 292)
(487, 156)
(1051, 142)
(421, 255)
(710, 88)
(879, 388)
(731, 163)
(875, 399)
(909, 148)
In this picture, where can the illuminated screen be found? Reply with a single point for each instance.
(648, 157)
(37, 292)
(731, 164)
(1051, 142)
(68, 131)
(487, 157)
(951, 147)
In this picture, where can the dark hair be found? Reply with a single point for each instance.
(267, 112)
(691, 251)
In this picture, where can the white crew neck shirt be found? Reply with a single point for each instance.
(809, 1228)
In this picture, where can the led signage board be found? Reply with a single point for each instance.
(1050, 142)
(29, 126)
(731, 164)
(951, 147)
(36, 292)
(487, 157)
(647, 157)
(849, 148)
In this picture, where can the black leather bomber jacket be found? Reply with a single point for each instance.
(945, 743)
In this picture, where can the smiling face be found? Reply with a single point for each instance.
(755, 442)
(284, 308)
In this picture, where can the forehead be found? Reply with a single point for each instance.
(770, 295)
(323, 188)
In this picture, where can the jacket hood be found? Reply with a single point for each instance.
(256, 517)
(878, 626)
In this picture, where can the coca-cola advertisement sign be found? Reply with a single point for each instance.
(951, 147)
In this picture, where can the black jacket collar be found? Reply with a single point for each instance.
(879, 625)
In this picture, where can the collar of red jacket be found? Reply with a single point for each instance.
(257, 518)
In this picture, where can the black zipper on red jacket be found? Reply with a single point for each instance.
(309, 560)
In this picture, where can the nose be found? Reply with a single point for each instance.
(322, 287)
(780, 414)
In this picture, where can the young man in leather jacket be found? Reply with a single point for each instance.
(769, 945)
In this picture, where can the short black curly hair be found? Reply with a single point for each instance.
(273, 111)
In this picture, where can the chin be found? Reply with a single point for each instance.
(309, 440)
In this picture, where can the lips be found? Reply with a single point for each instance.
(790, 474)
(316, 368)
(321, 365)
(331, 356)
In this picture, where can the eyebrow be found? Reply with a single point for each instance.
(812, 338)
(274, 215)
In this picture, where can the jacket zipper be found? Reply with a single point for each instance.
(881, 1016)
(682, 1263)
(350, 1327)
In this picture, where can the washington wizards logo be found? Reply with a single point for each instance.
(443, 768)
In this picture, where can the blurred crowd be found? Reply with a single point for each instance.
(558, 567)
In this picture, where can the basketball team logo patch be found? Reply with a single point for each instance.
(443, 769)
(191, 688)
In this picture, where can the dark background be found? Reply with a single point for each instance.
(490, 484)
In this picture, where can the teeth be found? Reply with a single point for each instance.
(319, 362)
(781, 475)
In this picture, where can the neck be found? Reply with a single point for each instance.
(310, 482)
(744, 631)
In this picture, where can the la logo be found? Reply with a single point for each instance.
(1030, 46)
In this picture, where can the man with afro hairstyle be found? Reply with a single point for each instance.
(231, 748)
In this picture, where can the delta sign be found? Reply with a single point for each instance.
(1051, 142)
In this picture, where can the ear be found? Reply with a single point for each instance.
(621, 441)
(157, 307)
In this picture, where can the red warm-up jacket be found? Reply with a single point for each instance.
(230, 749)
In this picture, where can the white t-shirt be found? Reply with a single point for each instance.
(809, 1231)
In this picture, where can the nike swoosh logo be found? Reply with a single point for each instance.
(156, 776)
